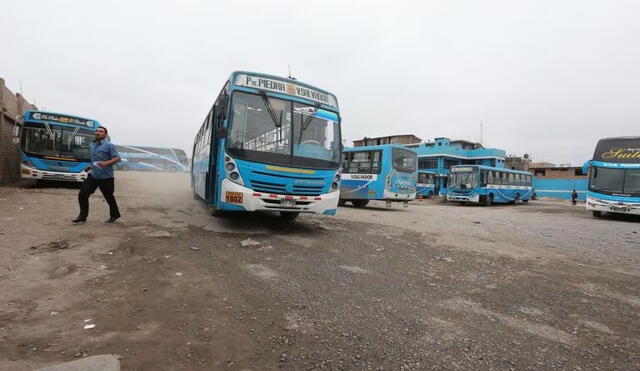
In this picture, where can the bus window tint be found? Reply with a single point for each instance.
(252, 127)
(403, 160)
(632, 182)
(607, 180)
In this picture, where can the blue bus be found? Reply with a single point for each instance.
(614, 177)
(55, 146)
(383, 172)
(152, 159)
(269, 143)
(488, 185)
(426, 186)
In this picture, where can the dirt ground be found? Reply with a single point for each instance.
(434, 286)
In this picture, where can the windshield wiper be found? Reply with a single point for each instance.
(276, 122)
(307, 121)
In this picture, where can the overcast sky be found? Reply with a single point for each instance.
(545, 77)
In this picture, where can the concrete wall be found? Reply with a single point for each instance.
(560, 188)
(11, 106)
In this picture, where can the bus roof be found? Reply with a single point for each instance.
(59, 118)
(378, 147)
(482, 167)
(283, 85)
(618, 150)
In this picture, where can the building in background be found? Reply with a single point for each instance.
(517, 163)
(392, 139)
(12, 106)
(438, 156)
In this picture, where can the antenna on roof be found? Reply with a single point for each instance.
(481, 133)
(291, 77)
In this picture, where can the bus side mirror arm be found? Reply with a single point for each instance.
(19, 122)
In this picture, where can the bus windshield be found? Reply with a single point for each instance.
(56, 140)
(610, 180)
(291, 134)
(463, 179)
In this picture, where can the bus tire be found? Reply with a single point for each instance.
(597, 214)
(488, 199)
(342, 202)
(124, 167)
(289, 215)
(516, 200)
(360, 203)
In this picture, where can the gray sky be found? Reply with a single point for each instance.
(546, 77)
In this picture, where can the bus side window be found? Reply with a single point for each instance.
(375, 162)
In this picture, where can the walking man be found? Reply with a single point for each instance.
(103, 156)
(574, 197)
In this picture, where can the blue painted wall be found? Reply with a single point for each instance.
(561, 188)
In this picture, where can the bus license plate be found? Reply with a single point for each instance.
(287, 203)
(233, 197)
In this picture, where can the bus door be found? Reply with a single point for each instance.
(218, 133)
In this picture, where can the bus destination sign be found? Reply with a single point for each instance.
(618, 150)
(285, 87)
(53, 117)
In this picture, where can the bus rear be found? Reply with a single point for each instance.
(56, 146)
(269, 143)
(384, 172)
(426, 185)
(614, 177)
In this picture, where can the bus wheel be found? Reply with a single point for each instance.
(342, 202)
(288, 215)
(360, 203)
(488, 199)
(124, 167)
(597, 214)
(516, 200)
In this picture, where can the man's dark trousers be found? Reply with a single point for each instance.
(106, 187)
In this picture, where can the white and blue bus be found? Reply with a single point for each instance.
(614, 177)
(152, 159)
(488, 185)
(55, 146)
(269, 143)
(383, 172)
(426, 186)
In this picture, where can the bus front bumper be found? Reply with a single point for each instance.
(393, 196)
(255, 201)
(463, 198)
(598, 204)
(31, 173)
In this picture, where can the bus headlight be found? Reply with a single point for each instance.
(337, 178)
(233, 172)
(29, 164)
(234, 175)
(230, 166)
(334, 186)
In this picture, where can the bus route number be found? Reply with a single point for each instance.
(233, 197)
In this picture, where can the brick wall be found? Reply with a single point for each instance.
(11, 106)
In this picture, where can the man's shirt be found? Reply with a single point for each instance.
(102, 151)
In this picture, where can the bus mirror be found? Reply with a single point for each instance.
(221, 132)
(15, 132)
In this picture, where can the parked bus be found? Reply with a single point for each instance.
(426, 186)
(55, 146)
(384, 172)
(269, 143)
(152, 159)
(488, 185)
(614, 177)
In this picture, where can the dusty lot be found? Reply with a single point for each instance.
(435, 286)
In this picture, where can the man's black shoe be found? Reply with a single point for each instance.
(79, 220)
(112, 219)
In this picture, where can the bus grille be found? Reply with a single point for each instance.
(279, 188)
(57, 163)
